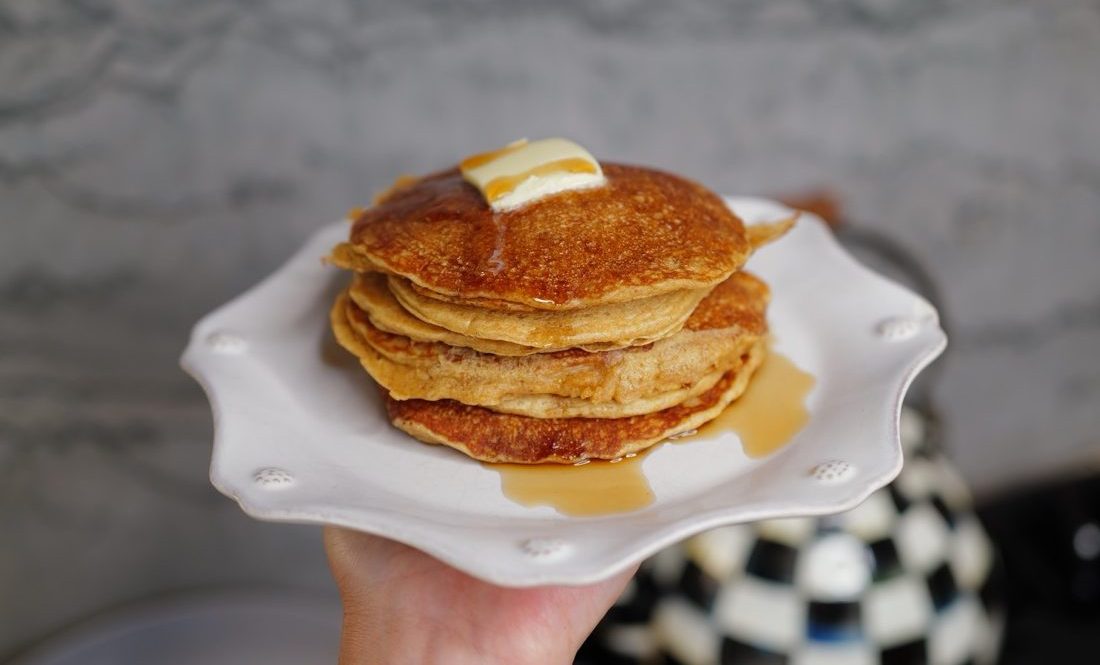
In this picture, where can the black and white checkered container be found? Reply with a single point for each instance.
(907, 578)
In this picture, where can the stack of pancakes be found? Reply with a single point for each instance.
(587, 325)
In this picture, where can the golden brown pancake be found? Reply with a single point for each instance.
(643, 234)
(572, 382)
(613, 325)
(553, 406)
(371, 294)
(500, 437)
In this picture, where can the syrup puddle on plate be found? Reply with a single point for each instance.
(598, 487)
(765, 418)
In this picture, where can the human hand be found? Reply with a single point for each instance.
(403, 606)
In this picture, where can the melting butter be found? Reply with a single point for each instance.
(525, 171)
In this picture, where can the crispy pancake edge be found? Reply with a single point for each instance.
(496, 437)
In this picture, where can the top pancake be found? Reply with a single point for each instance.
(645, 233)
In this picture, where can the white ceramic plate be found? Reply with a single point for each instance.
(300, 433)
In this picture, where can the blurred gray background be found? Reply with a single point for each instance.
(158, 157)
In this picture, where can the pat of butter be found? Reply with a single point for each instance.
(524, 171)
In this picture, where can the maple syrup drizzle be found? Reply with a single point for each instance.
(596, 487)
(765, 418)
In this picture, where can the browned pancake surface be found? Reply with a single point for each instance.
(499, 437)
(646, 232)
(739, 302)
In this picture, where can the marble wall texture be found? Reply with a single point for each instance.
(157, 157)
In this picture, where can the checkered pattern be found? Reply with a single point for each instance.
(906, 578)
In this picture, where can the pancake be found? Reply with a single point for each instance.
(500, 437)
(585, 323)
(616, 324)
(572, 382)
(552, 406)
(425, 382)
(371, 294)
(644, 234)
(535, 406)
